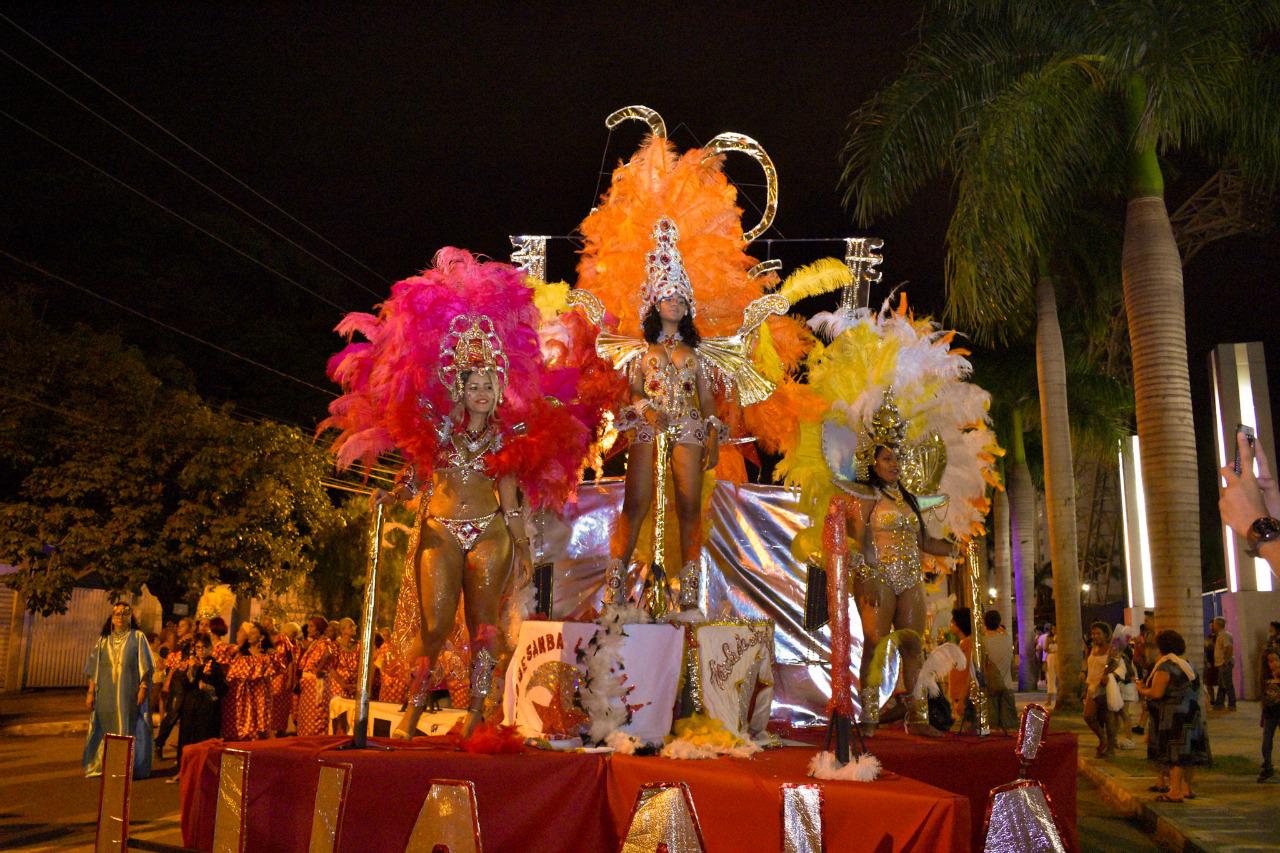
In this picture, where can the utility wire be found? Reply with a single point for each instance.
(174, 329)
(190, 148)
(171, 211)
(181, 170)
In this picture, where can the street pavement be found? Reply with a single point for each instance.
(46, 804)
(1232, 810)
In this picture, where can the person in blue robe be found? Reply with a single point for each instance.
(119, 674)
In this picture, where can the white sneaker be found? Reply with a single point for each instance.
(1128, 743)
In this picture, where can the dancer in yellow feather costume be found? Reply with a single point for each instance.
(903, 450)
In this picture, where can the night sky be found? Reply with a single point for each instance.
(395, 131)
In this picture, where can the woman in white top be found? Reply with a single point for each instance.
(1100, 662)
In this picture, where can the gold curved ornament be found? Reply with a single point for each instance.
(764, 268)
(588, 302)
(761, 309)
(638, 112)
(726, 142)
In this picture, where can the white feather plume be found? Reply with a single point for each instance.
(864, 768)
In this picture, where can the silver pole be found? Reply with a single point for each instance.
(360, 732)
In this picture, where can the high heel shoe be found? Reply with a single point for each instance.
(419, 695)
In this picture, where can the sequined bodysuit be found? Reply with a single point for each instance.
(895, 532)
(671, 391)
(461, 454)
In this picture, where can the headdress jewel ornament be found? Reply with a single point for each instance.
(665, 276)
(886, 429)
(471, 344)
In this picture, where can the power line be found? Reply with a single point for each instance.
(171, 211)
(179, 169)
(190, 148)
(161, 323)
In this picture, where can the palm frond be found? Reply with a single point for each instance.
(904, 136)
(1033, 150)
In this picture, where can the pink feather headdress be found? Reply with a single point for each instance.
(395, 382)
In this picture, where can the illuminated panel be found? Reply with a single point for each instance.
(1124, 526)
(1219, 440)
(1144, 538)
(1249, 417)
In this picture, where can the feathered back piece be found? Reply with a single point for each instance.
(870, 354)
(692, 191)
(400, 382)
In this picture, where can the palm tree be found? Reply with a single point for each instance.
(1006, 375)
(1022, 511)
(1034, 105)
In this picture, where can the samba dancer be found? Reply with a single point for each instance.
(889, 577)
(671, 394)
(902, 433)
(453, 377)
(463, 547)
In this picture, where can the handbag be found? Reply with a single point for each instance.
(1115, 700)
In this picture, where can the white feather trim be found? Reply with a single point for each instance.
(937, 666)
(864, 768)
(623, 743)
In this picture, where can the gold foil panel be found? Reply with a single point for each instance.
(663, 815)
(1019, 818)
(726, 142)
(448, 817)
(639, 112)
(233, 786)
(331, 799)
(802, 819)
(661, 473)
(113, 796)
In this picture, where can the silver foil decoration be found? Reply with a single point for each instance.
(1020, 820)
(802, 819)
(1035, 725)
(750, 574)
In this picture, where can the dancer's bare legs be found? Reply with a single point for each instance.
(484, 582)
(637, 499)
(440, 571)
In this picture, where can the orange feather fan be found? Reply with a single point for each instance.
(692, 190)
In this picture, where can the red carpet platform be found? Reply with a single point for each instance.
(932, 798)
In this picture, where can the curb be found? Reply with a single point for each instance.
(1164, 832)
(63, 727)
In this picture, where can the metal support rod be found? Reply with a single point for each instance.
(360, 731)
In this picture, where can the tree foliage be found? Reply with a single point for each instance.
(1024, 105)
(107, 469)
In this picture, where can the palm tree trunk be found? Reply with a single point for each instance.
(1060, 488)
(1153, 298)
(1022, 525)
(1002, 575)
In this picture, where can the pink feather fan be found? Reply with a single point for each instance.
(393, 395)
